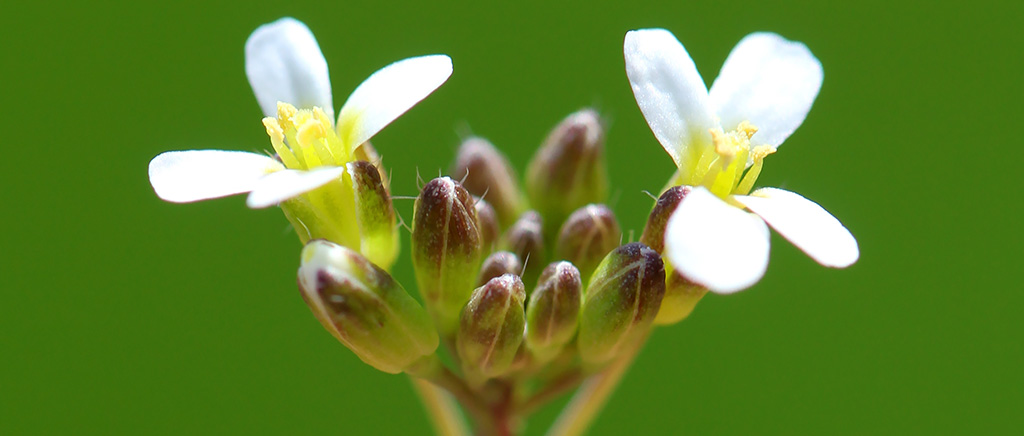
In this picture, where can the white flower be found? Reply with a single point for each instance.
(719, 140)
(287, 70)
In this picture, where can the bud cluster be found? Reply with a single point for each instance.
(520, 283)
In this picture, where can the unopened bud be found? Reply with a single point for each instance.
(681, 296)
(587, 236)
(491, 327)
(365, 151)
(445, 249)
(499, 264)
(621, 302)
(487, 222)
(378, 231)
(364, 308)
(526, 239)
(484, 170)
(568, 171)
(554, 310)
(654, 231)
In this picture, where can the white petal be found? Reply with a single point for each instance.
(389, 93)
(187, 176)
(715, 244)
(668, 89)
(769, 81)
(805, 224)
(284, 63)
(282, 185)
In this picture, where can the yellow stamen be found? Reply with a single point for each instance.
(309, 136)
(722, 166)
(758, 154)
(277, 140)
(746, 129)
(285, 112)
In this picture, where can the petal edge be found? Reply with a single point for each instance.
(668, 89)
(806, 224)
(194, 175)
(284, 63)
(285, 184)
(769, 81)
(389, 93)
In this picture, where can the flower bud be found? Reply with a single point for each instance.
(621, 302)
(491, 328)
(378, 231)
(365, 151)
(526, 239)
(587, 236)
(568, 171)
(654, 232)
(499, 264)
(445, 249)
(554, 310)
(484, 170)
(681, 296)
(487, 222)
(364, 308)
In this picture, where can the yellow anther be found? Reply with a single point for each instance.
(309, 130)
(285, 112)
(726, 173)
(301, 118)
(761, 151)
(746, 129)
(322, 117)
(724, 145)
(274, 129)
(277, 140)
(728, 145)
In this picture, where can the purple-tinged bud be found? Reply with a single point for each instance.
(621, 302)
(499, 264)
(568, 171)
(445, 249)
(491, 328)
(654, 232)
(590, 233)
(554, 310)
(484, 170)
(526, 239)
(367, 153)
(681, 296)
(487, 222)
(378, 231)
(364, 308)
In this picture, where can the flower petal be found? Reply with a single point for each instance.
(769, 81)
(668, 89)
(284, 63)
(806, 224)
(193, 175)
(282, 185)
(715, 244)
(389, 93)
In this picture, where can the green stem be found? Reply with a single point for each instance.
(592, 395)
(431, 370)
(555, 389)
(442, 409)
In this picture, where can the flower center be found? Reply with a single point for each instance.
(305, 139)
(730, 166)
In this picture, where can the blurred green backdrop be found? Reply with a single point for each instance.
(120, 313)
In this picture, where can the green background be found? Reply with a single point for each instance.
(120, 313)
